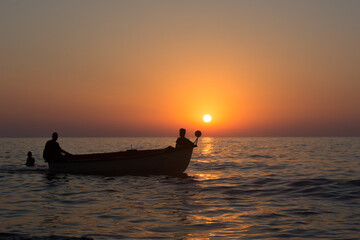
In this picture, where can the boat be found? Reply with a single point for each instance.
(157, 161)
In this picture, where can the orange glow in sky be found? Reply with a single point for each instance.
(149, 68)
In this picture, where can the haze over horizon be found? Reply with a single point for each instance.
(148, 68)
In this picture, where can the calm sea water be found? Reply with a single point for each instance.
(234, 188)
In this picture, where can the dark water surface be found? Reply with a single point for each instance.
(234, 188)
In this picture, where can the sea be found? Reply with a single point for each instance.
(234, 188)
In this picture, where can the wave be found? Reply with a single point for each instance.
(260, 156)
(13, 236)
(23, 170)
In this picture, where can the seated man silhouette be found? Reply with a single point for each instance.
(182, 141)
(53, 151)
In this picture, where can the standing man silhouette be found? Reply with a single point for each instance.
(53, 151)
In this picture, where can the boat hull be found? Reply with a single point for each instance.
(161, 161)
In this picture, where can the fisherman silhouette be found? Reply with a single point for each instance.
(182, 141)
(30, 161)
(53, 151)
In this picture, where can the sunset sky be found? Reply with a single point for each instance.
(148, 68)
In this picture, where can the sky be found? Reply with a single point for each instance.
(147, 68)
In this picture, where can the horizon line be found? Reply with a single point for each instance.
(318, 136)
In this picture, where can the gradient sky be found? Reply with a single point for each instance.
(147, 68)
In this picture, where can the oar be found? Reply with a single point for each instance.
(197, 134)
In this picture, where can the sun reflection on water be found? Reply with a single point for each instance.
(206, 149)
(205, 177)
(207, 145)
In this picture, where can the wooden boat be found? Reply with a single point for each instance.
(158, 161)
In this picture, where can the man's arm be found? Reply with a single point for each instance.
(63, 151)
(177, 143)
(189, 143)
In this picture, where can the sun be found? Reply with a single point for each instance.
(207, 118)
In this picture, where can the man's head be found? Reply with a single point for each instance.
(182, 132)
(55, 136)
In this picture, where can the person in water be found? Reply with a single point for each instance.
(182, 141)
(53, 151)
(30, 161)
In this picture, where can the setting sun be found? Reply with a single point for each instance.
(207, 118)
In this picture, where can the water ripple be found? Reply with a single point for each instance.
(251, 188)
